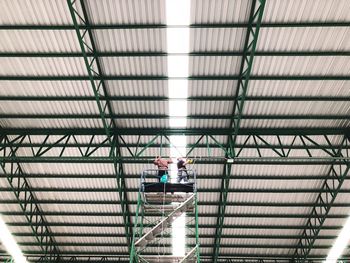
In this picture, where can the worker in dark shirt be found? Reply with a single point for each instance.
(182, 173)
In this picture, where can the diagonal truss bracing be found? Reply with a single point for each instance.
(82, 27)
(26, 199)
(324, 201)
(255, 18)
(292, 149)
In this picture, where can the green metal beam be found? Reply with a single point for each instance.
(107, 245)
(107, 253)
(312, 53)
(215, 215)
(113, 225)
(194, 98)
(200, 160)
(176, 131)
(113, 202)
(324, 201)
(69, 234)
(155, 98)
(251, 38)
(300, 24)
(25, 197)
(158, 77)
(166, 117)
(199, 177)
(165, 145)
(209, 190)
(299, 150)
(87, 44)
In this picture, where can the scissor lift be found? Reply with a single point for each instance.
(159, 205)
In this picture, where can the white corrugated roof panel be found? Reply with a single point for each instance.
(153, 88)
(39, 41)
(217, 39)
(34, 12)
(124, 40)
(303, 39)
(214, 65)
(44, 66)
(143, 66)
(317, 88)
(220, 11)
(212, 88)
(304, 10)
(301, 66)
(295, 123)
(126, 11)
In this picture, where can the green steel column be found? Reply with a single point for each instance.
(133, 253)
(95, 76)
(26, 199)
(324, 201)
(255, 18)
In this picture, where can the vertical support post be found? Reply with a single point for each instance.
(255, 18)
(197, 228)
(133, 254)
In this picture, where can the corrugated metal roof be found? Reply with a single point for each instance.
(280, 96)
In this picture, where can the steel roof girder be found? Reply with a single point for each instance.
(26, 199)
(327, 196)
(251, 38)
(95, 76)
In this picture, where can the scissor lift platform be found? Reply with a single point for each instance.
(159, 205)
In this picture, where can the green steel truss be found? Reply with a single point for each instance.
(87, 44)
(26, 200)
(255, 18)
(327, 195)
(279, 149)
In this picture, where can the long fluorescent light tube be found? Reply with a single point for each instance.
(10, 244)
(178, 88)
(178, 66)
(340, 244)
(178, 12)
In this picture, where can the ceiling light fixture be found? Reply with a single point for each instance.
(10, 244)
(178, 39)
(340, 244)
